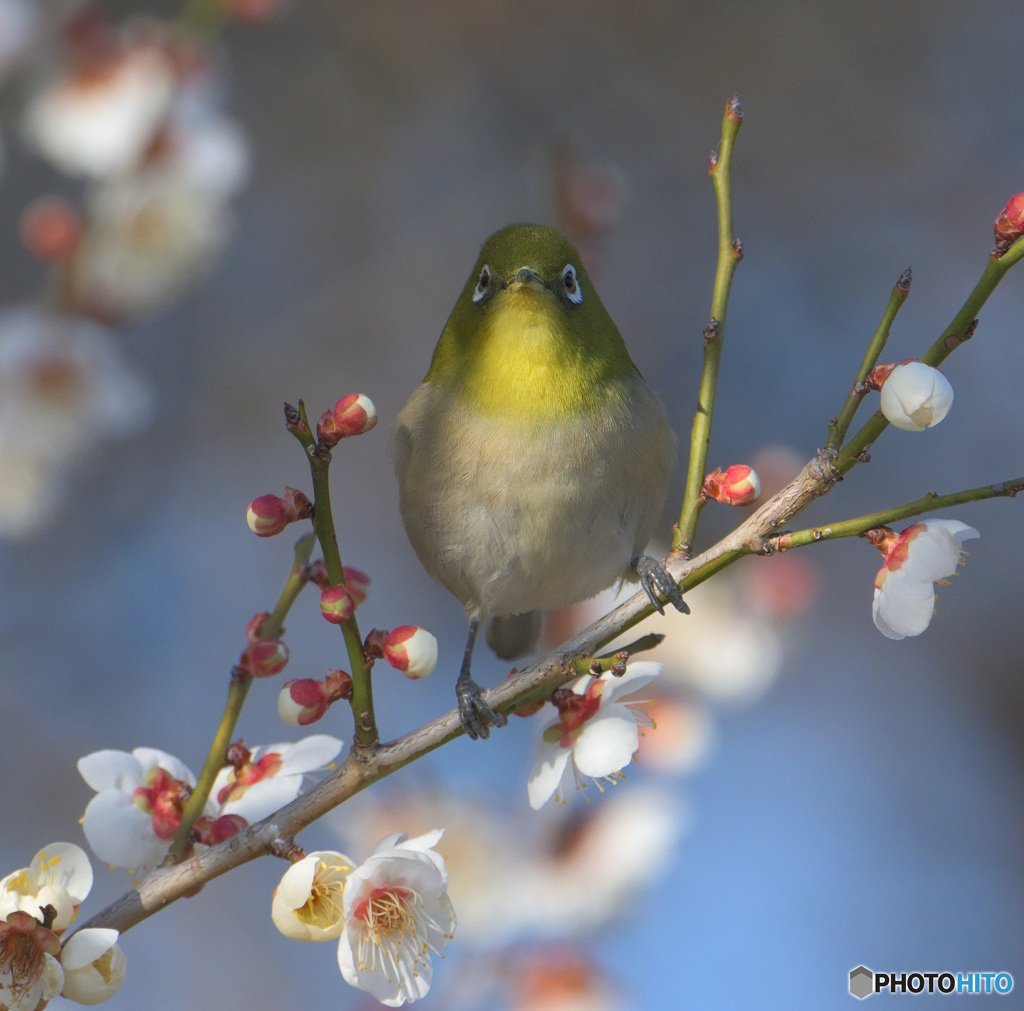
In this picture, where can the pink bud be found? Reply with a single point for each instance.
(1010, 220)
(254, 626)
(354, 414)
(264, 658)
(210, 831)
(412, 650)
(336, 604)
(267, 515)
(358, 583)
(51, 229)
(270, 514)
(327, 429)
(737, 485)
(302, 702)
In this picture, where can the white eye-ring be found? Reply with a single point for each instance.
(483, 283)
(572, 285)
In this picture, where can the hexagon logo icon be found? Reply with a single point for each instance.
(862, 982)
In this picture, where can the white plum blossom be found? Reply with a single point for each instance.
(397, 912)
(94, 965)
(100, 119)
(137, 809)
(64, 388)
(151, 234)
(30, 973)
(596, 734)
(923, 554)
(271, 776)
(59, 875)
(307, 904)
(915, 396)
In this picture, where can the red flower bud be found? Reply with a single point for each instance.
(210, 831)
(267, 515)
(51, 229)
(254, 627)
(358, 584)
(354, 414)
(327, 429)
(316, 572)
(264, 658)
(270, 514)
(738, 484)
(336, 604)
(1010, 220)
(412, 650)
(302, 702)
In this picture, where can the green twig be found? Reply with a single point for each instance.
(838, 429)
(271, 628)
(927, 503)
(730, 252)
(958, 331)
(323, 523)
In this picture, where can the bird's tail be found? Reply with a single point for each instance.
(514, 635)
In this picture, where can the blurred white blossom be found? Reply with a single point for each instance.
(64, 388)
(99, 118)
(149, 236)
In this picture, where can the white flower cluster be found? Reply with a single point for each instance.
(137, 809)
(37, 905)
(134, 113)
(388, 913)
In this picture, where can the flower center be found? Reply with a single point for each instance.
(164, 799)
(324, 907)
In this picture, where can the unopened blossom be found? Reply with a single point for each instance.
(270, 514)
(412, 650)
(308, 902)
(94, 966)
(59, 875)
(265, 779)
(1009, 224)
(137, 809)
(302, 701)
(397, 913)
(596, 734)
(30, 973)
(737, 485)
(915, 396)
(922, 555)
(354, 414)
(337, 604)
(264, 658)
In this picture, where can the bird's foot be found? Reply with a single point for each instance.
(476, 715)
(657, 582)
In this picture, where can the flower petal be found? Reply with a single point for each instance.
(608, 742)
(549, 763)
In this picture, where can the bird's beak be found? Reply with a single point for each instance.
(527, 277)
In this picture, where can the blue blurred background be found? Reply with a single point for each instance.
(869, 808)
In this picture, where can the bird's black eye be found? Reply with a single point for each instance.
(572, 284)
(482, 284)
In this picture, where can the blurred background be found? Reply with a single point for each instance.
(300, 230)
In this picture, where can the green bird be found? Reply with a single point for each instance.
(533, 461)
